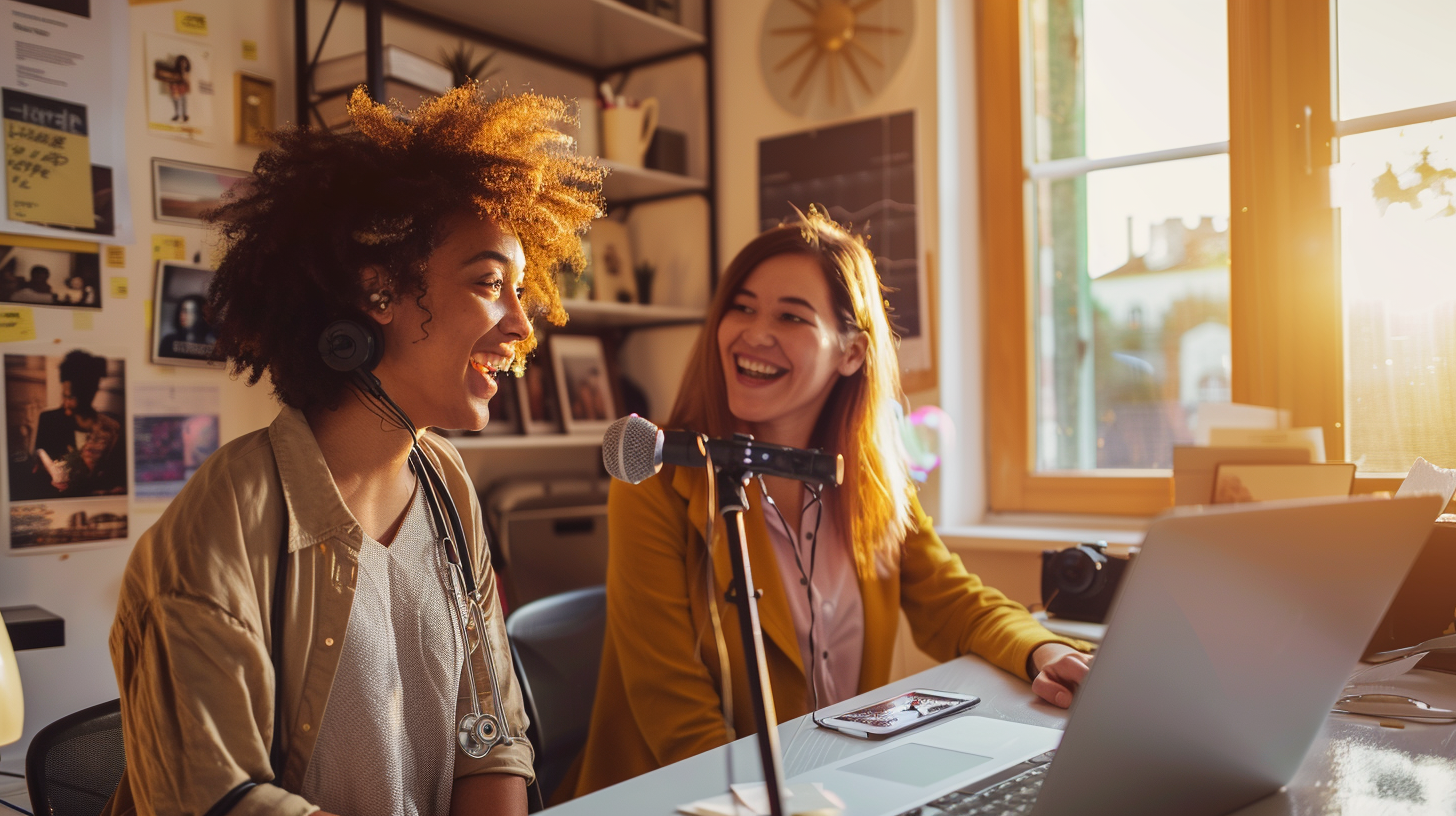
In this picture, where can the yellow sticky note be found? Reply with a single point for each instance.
(169, 248)
(82, 321)
(47, 161)
(115, 256)
(250, 50)
(120, 286)
(16, 323)
(190, 22)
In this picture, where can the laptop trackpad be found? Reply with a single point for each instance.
(916, 764)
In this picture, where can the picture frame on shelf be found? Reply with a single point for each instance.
(536, 394)
(505, 408)
(183, 191)
(181, 335)
(583, 383)
(611, 263)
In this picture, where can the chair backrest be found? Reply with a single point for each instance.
(74, 764)
(557, 646)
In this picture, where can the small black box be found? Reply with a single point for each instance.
(31, 627)
(668, 152)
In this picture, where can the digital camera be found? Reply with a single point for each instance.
(1079, 583)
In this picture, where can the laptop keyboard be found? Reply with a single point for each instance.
(1013, 791)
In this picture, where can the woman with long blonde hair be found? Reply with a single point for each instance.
(797, 350)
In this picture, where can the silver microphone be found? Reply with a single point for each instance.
(632, 449)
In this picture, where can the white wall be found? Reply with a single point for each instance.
(82, 587)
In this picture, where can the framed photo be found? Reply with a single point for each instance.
(181, 334)
(182, 191)
(536, 391)
(66, 450)
(583, 384)
(257, 114)
(505, 407)
(49, 272)
(611, 262)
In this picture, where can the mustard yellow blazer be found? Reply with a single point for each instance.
(657, 698)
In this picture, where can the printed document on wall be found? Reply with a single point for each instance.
(64, 62)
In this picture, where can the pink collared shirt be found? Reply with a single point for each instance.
(838, 619)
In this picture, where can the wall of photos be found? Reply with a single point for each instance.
(99, 313)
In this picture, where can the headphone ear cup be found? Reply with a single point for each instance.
(351, 345)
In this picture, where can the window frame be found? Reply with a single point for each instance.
(1287, 328)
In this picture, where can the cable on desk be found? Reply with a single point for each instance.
(16, 807)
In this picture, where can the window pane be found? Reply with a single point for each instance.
(1398, 256)
(1115, 77)
(1394, 55)
(1131, 308)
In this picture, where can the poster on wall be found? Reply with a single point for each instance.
(175, 429)
(50, 272)
(63, 81)
(863, 173)
(66, 445)
(179, 87)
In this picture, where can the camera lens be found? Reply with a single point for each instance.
(1078, 571)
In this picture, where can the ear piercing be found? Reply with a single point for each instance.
(380, 300)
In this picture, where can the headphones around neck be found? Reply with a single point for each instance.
(351, 345)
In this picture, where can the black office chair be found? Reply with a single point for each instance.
(556, 644)
(75, 763)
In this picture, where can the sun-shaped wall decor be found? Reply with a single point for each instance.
(827, 58)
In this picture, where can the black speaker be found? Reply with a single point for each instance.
(351, 345)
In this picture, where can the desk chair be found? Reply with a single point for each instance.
(556, 644)
(75, 763)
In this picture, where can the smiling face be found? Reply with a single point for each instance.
(783, 349)
(442, 354)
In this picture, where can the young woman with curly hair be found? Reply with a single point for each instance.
(796, 350)
(289, 636)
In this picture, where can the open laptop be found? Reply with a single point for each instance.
(1233, 634)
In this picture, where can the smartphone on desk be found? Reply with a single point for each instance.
(900, 714)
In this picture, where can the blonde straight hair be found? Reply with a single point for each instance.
(860, 420)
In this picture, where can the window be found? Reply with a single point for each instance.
(1186, 203)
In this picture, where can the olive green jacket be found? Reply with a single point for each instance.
(192, 639)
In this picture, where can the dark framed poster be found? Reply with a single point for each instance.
(863, 174)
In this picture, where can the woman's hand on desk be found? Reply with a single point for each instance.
(1060, 670)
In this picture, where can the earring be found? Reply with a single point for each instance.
(380, 299)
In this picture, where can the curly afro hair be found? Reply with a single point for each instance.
(324, 206)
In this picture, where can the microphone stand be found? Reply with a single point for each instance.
(731, 479)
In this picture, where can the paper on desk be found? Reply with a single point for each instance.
(1425, 477)
(1236, 415)
(1311, 439)
(752, 798)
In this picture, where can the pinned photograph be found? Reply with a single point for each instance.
(64, 425)
(182, 192)
(181, 334)
(611, 262)
(169, 449)
(583, 383)
(49, 272)
(179, 87)
(71, 524)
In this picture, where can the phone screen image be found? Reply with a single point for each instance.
(901, 711)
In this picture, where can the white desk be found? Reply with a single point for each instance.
(1355, 767)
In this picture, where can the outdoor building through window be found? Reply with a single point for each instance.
(1130, 241)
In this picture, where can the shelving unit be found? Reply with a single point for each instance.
(599, 39)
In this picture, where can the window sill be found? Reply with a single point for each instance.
(1026, 533)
